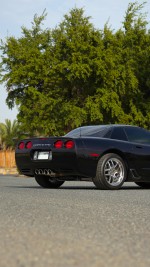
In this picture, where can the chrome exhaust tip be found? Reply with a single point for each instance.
(36, 171)
(43, 172)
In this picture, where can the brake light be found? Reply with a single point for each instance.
(58, 144)
(29, 145)
(21, 145)
(69, 144)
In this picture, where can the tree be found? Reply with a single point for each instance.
(137, 42)
(10, 132)
(75, 74)
(50, 73)
(121, 96)
(26, 68)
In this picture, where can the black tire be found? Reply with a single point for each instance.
(111, 172)
(47, 182)
(143, 184)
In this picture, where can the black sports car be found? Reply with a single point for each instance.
(108, 155)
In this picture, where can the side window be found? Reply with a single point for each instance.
(108, 134)
(138, 135)
(118, 134)
(104, 132)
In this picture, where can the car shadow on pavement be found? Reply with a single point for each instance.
(76, 188)
(60, 188)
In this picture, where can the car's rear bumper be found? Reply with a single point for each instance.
(61, 163)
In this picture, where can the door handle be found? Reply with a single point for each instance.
(140, 147)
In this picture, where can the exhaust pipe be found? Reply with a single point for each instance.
(36, 171)
(43, 172)
(48, 172)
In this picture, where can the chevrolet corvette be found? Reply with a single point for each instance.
(108, 155)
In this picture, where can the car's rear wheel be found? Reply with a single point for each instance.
(143, 184)
(47, 182)
(111, 172)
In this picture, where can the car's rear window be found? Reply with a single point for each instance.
(94, 131)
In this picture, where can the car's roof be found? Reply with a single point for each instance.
(103, 130)
(111, 125)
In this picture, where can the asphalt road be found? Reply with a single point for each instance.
(76, 225)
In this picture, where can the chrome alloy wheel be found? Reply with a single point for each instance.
(114, 171)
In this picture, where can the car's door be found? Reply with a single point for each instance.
(142, 159)
(140, 139)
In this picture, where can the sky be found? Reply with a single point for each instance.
(17, 13)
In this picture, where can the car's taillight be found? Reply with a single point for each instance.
(69, 144)
(21, 145)
(29, 145)
(58, 144)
